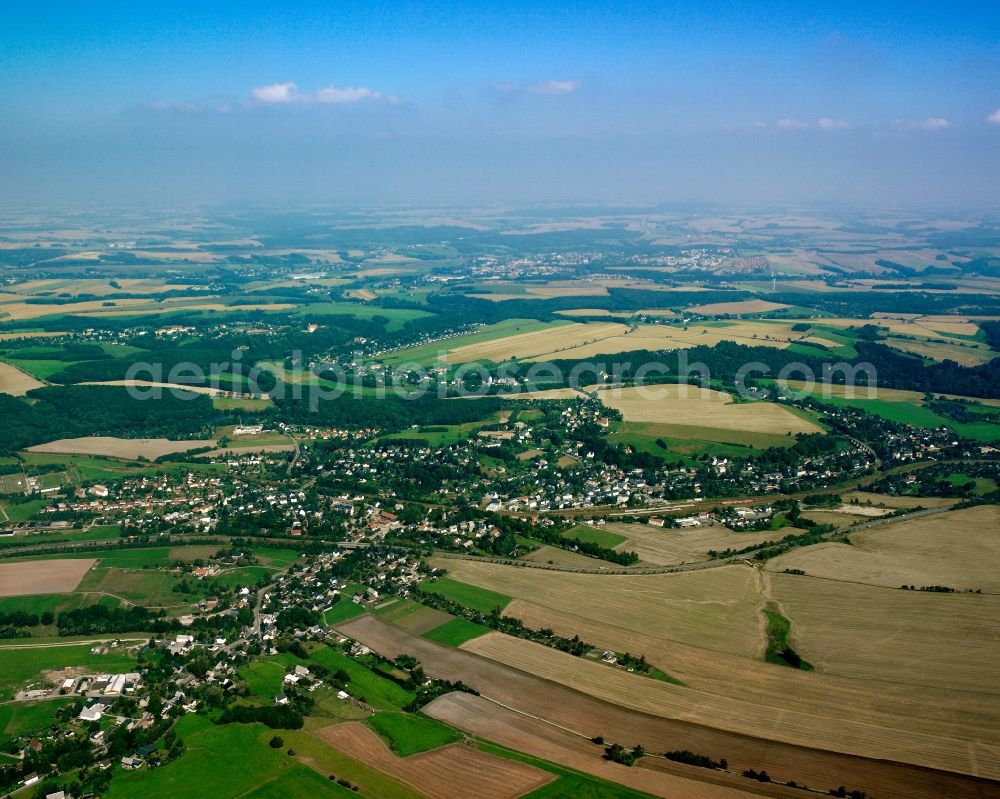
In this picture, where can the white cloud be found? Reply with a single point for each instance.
(934, 123)
(288, 92)
(791, 124)
(347, 94)
(830, 124)
(994, 118)
(554, 87)
(277, 93)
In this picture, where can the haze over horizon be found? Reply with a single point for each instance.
(839, 103)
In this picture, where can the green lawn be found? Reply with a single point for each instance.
(21, 666)
(23, 511)
(43, 370)
(345, 609)
(244, 576)
(470, 596)
(265, 676)
(365, 684)
(595, 535)
(221, 762)
(24, 718)
(275, 556)
(408, 734)
(40, 603)
(299, 781)
(455, 632)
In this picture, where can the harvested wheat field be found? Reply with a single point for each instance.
(968, 354)
(451, 772)
(589, 716)
(688, 405)
(959, 549)
(539, 342)
(915, 637)
(43, 576)
(811, 708)
(15, 382)
(149, 384)
(712, 608)
(126, 448)
(896, 502)
(664, 546)
(485, 719)
(746, 306)
(590, 339)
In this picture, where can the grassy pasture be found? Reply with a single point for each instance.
(365, 684)
(408, 734)
(468, 594)
(595, 535)
(455, 632)
(208, 764)
(25, 718)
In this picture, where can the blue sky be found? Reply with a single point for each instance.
(828, 102)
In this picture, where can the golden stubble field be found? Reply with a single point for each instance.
(713, 608)
(590, 339)
(688, 405)
(664, 546)
(15, 382)
(126, 448)
(959, 549)
(903, 675)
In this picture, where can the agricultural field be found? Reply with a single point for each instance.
(43, 576)
(565, 558)
(484, 719)
(687, 406)
(125, 448)
(451, 773)
(958, 549)
(407, 734)
(466, 592)
(736, 308)
(715, 609)
(410, 615)
(455, 632)
(663, 546)
(766, 704)
(602, 536)
(931, 639)
(16, 381)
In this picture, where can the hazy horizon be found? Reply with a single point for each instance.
(845, 104)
